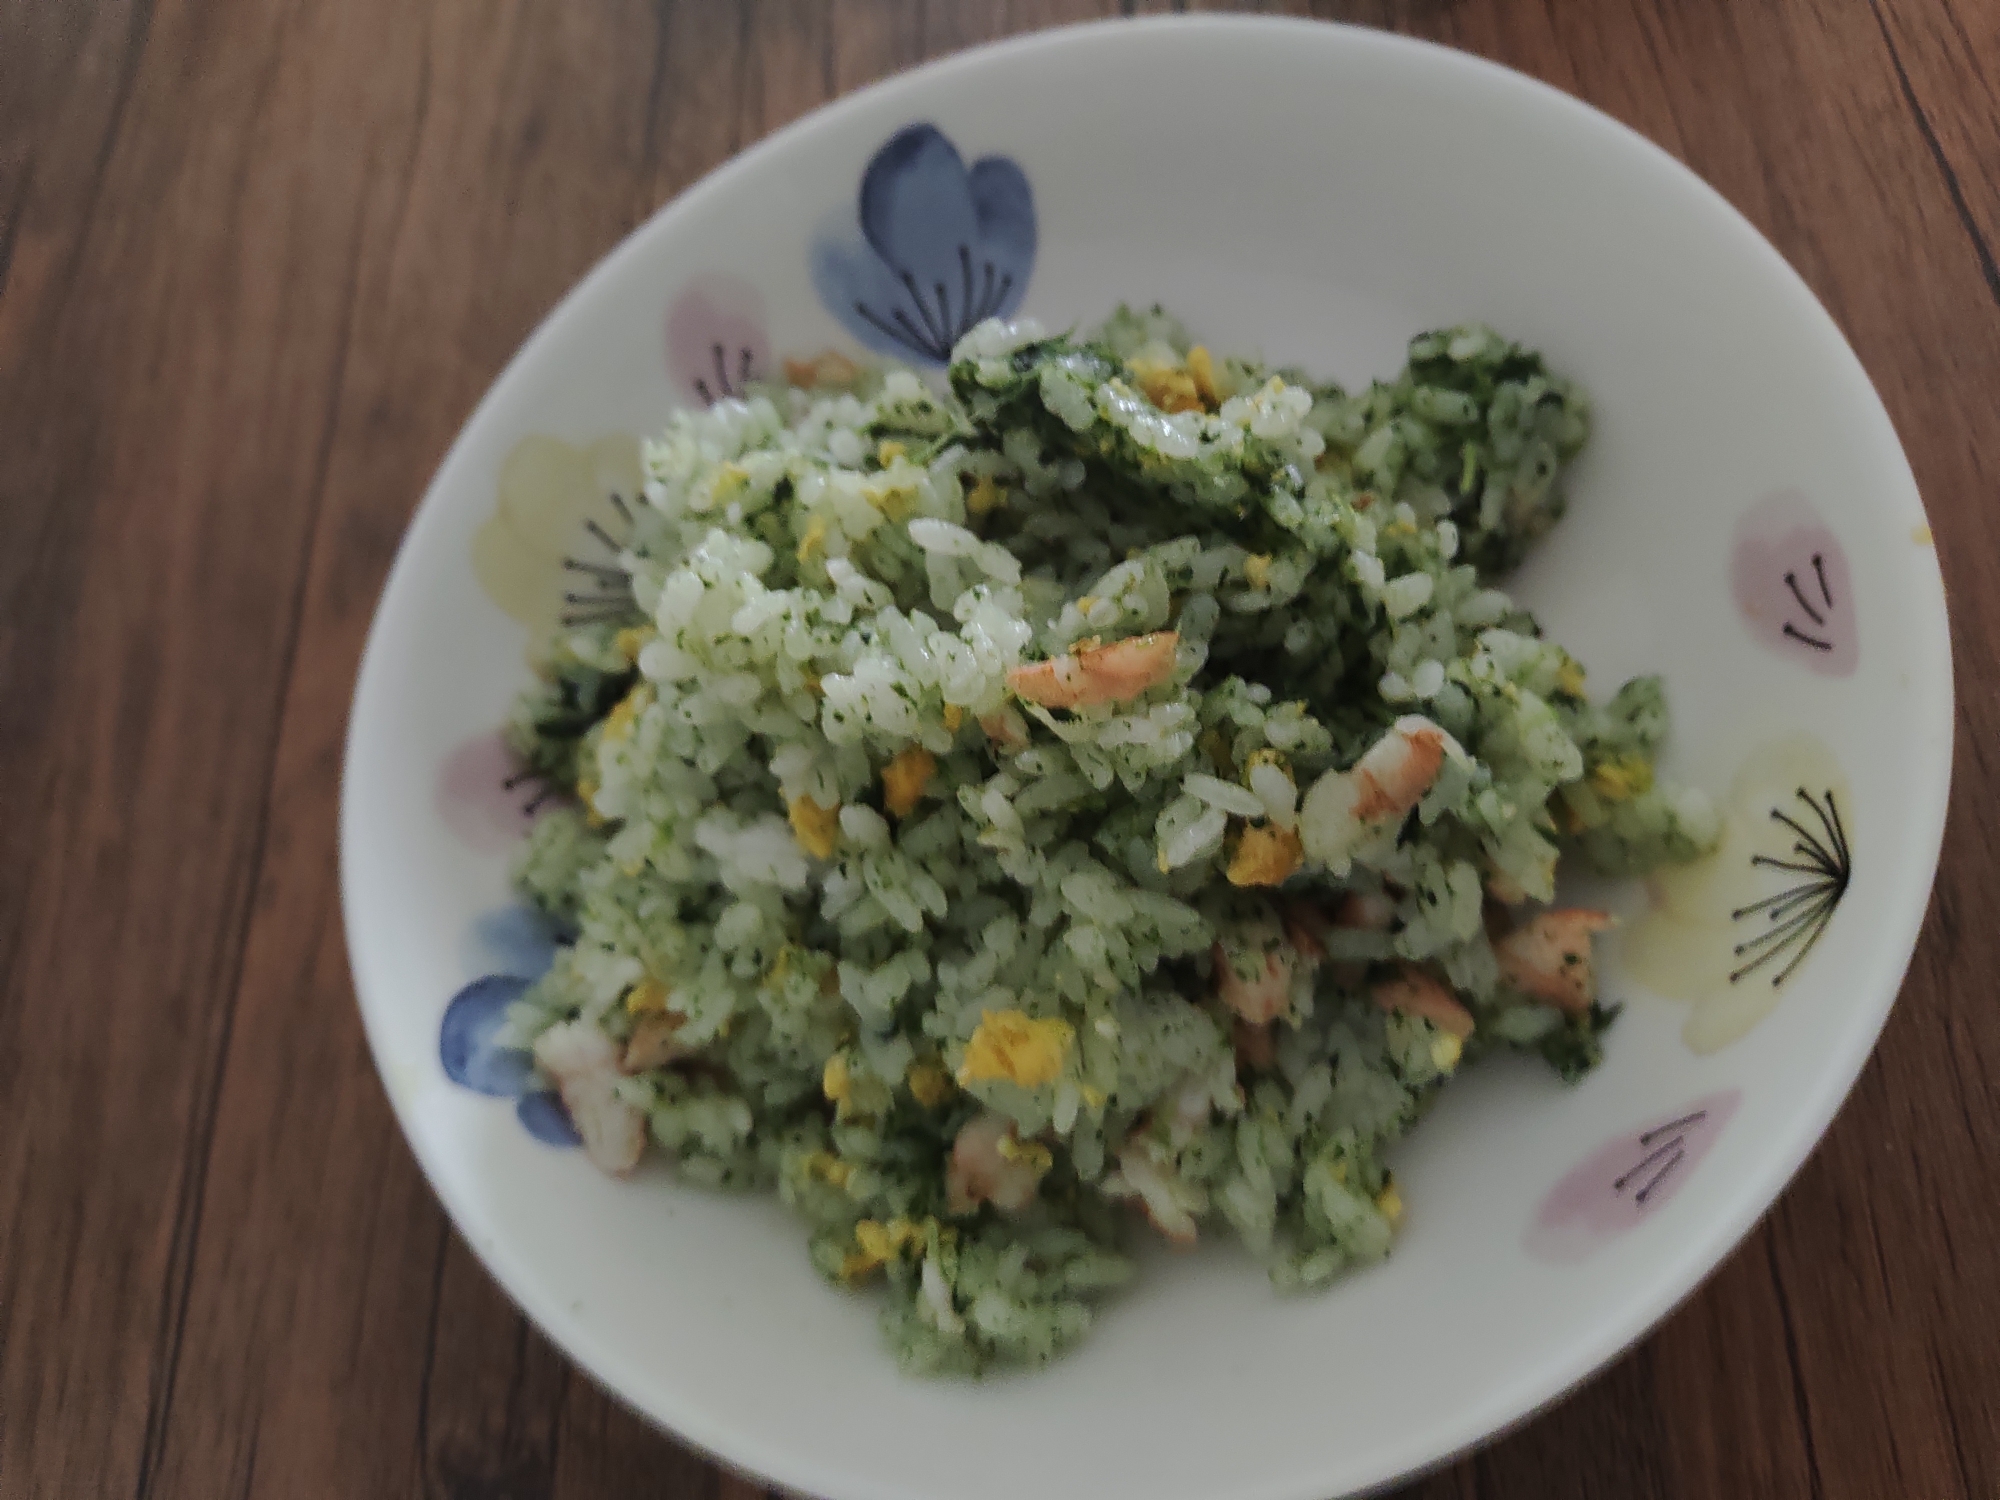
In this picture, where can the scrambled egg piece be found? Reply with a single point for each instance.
(930, 1085)
(1389, 1202)
(586, 791)
(646, 996)
(905, 777)
(895, 501)
(889, 452)
(730, 481)
(781, 967)
(1031, 1154)
(814, 541)
(630, 641)
(1622, 779)
(618, 723)
(835, 1083)
(1445, 1051)
(1257, 570)
(1570, 678)
(1201, 366)
(815, 827)
(1266, 855)
(1009, 1044)
(877, 1244)
(829, 369)
(953, 717)
(1169, 387)
(829, 1168)
(983, 497)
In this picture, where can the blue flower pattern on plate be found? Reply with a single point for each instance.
(521, 944)
(468, 1044)
(942, 246)
(512, 940)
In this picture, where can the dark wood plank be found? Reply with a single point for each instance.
(1880, 1300)
(163, 463)
(1881, 1387)
(1946, 56)
(340, 1277)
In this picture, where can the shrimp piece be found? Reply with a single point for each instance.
(1344, 807)
(1549, 958)
(1307, 924)
(1006, 728)
(1256, 1048)
(983, 1169)
(652, 1043)
(1254, 967)
(1146, 1173)
(1366, 911)
(1416, 993)
(1092, 674)
(583, 1061)
(1305, 930)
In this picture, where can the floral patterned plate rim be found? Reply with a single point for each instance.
(1778, 571)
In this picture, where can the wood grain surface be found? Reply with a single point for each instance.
(258, 259)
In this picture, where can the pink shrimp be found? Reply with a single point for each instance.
(1254, 967)
(652, 1043)
(584, 1063)
(982, 1171)
(1146, 1172)
(1413, 992)
(1366, 911)
(1549, 957)
(1006, 728)
(1378, 790)
(1305, 929)
(1307, 925)
(1255, 1047)
(1091, 674)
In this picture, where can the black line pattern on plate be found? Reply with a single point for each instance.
(605, 593)
(1794, 917)
(724, 385)
(537, 788)
(1659, 1161)
(1813, 613)
(979, 297)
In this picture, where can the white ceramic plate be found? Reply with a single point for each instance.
(1320, 194)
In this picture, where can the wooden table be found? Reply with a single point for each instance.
(258, 258)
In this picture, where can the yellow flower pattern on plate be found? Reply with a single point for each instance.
(1728, 932)
(549, 494)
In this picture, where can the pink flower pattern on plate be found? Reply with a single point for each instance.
(487, 797)
(1790, 577)
(1626, 1180)
(716, 343)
